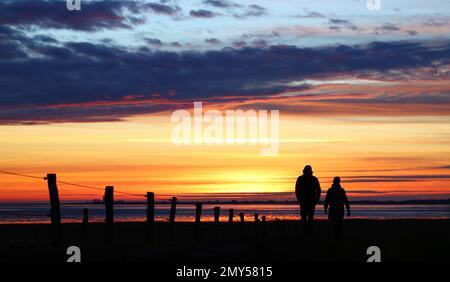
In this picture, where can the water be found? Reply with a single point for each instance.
(37, 212)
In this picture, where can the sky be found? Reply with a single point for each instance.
(362, 93)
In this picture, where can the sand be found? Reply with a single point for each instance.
(398, 240)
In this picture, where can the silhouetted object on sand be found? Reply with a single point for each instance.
(55, 210)
(150, 216)
(109, 212)
(85, 224)
(335, 201)
(198, 217)
(307, 190)
(173, 210)
(230, 215)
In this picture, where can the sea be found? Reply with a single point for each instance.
(73, 212)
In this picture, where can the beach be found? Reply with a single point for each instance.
(401, 240)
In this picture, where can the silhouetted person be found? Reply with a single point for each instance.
(335, 201)
(307, 190)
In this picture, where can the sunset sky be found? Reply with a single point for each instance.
(362, 94)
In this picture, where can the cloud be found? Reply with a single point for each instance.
(252, 11)
(389, 27)
(202, 13)
(213, 41)
(157, 43)
(231, 9)
(338, 24)
(54, 14)
(175, 44)
(224, 4)
(311, 15)
(95, 15)
(80, 81)
(239, 44)
(443, 167)
(411, 32)
(394, 178)
(260, 43)
(162, 9)
(154, 42)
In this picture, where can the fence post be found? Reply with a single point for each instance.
(230, 215)
(198, 212)
(150, 216)
(85, 223)
(255, 231)
(216, 223)
(173, 208)
(216, 214)
(85, 216)
(241, 216)
(198, 215)
(264, 229)
(109, 212)
(55, 209)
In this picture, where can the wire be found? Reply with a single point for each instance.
(79, 185)
(69, 183)
(23, 175)
(97, 188)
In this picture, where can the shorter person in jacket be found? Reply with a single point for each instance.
(335, 201)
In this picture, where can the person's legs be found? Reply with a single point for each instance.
(303, 217)
(311, 210)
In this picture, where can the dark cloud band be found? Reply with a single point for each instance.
(85, 74)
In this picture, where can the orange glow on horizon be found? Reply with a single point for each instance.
(136, 155)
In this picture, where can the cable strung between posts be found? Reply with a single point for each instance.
(23, 175)
(69, 183)
(97, 188)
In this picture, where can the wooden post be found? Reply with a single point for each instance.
(255, 232)
(150, 208)
(173, 209)
(230, 215)
(85, 223)
(198, 216)
(198, 212)
(85, 216)
(150, 216)
(216, 223)
(109, 212)
(264, 229)
(55, 209)
(216, 214)
(241, 216)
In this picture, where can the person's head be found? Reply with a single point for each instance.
(308, 170)
(336, 181)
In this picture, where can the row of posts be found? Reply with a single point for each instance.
(55, 212)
